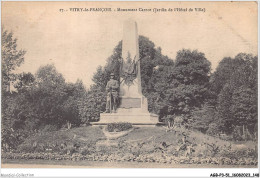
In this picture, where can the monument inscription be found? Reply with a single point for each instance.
(130, 103)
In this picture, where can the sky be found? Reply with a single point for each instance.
(78, 42)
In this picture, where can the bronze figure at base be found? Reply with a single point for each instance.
(112, 94)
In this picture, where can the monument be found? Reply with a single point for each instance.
(132, 105)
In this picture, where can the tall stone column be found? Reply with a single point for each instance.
(130, 75)
(130, 55)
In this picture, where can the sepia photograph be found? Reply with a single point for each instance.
(129, 85)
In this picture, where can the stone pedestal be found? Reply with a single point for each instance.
(134, 117)
(132, 110)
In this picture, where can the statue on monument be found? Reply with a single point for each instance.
(112, 94)
(128, 70)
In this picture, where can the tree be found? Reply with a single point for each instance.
(24, 81)
(185, 83)
(48, 95)
(224, 116)
(234, 84)
(44, 102)
(71, 105)
(222, 74)
(244, 107)
(203, 117)
(92, 104)
(11, 59)
(101, 77)
(48, 77)
(191, 67)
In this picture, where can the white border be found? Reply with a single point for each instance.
(154, 172)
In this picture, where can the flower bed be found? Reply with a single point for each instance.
(157, 158)
(119, 126)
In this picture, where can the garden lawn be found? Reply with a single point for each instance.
(147, 145)
(82, 136)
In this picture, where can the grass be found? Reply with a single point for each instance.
(143, 144)
(81, 135)
(159, 134)
(90, 135)
(143, 133)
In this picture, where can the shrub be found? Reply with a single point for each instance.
(11, 138)
(168, 120)
(84, 151)
(49, 128)
(213, 129)
(24, 148)
(118, 127)
(70, 150)
(237, 134)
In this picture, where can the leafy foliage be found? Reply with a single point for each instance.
(180, 88)
(24, 81)
(237, 96)
(11, 139)
(42, 101)
(142, 145)
(11, 59)
(119, 126)
(92, 104)
(203, 118)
